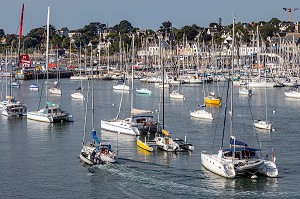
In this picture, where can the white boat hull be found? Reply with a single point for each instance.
(292, 94)
(77, 95)
(261, 84)
(55, 91)
(35, 115)
(79, 77)
(269, 169)
(119, 126)
(167, 144)
(121, 87)
(176, 96)
(263, 125)
(218, 165)
(201, 114)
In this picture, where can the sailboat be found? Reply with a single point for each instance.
(52, 112)
(134, 124)
(120, 85)
(238, 158)
(35, 86)
(95, 153)
(257, 82)
(201, 113)
(78, 94)
(264, 124)
(12, 107)
(55, 89)
(163, 140)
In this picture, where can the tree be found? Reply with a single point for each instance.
(2, 34)
(12, 39)
(123, 27)
(166, 27)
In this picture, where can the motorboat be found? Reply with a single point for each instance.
(201, 113)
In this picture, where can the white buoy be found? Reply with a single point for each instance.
(273, 111)
(113, 104)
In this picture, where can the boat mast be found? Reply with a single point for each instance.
(132, 62)
(20, 36)
(47, 51)
(80, 68)
(258, 52)
(92, 67)
(231, 79)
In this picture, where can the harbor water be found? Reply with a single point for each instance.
(41, 160)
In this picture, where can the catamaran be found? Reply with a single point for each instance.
(238, 158)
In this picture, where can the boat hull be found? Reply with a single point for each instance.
(77, 96)
(144, 145)
(217, 165)
(119, 126)
(263, 125)
(201, 114)
(212, 101)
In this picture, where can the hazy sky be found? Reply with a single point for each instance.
(149, 14)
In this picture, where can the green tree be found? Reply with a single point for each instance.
(2, 33)
(123, 27)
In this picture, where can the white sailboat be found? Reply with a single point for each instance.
(202, 113)
(95, 153)
(292, 93)
(79, 94)
(257, 82)
(55, 89)
(238, 158)
(264, 124)
(52, 112)
(124, 126)
(12, 107)
(176, 95)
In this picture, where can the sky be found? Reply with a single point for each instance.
(144, 14)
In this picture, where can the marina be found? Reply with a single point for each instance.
(49, 153)
(195, 112)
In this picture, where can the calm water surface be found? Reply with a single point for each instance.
(41, 160)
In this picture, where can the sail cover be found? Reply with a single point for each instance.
(233, 141)
(95, 138)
